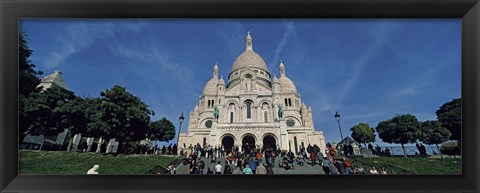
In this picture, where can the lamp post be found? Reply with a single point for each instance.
(337, 117)
(180, 119)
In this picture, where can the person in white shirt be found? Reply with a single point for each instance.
(218, 168)
(93, 170)
(373, 171)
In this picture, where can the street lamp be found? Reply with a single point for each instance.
(337, 117)
(180, 119)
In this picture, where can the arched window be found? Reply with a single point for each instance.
(249, 109)
(231, 117)
(265, 116)
(290, 102)
(286, 102)
(208, 103)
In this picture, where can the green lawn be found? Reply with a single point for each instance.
(419, 165)
(58, 162)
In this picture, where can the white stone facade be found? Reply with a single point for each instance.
(248, 110)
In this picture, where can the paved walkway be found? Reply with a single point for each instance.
(305, 169)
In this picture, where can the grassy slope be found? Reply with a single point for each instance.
(55, 162)
(49, 162)
(419, 165)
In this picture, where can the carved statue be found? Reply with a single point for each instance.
(280, 111)
(215, 112)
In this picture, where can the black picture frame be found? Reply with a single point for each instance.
(13, 10)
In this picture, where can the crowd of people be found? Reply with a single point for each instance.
(262, 161)
(254, 161)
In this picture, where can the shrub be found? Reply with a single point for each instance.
(451, 148)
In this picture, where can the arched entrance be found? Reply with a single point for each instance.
(227, 143)
(248, 144)
(269, 142)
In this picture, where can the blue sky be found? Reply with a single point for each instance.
(368, 70)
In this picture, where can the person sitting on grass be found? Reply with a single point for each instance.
(373, 171)
(93, 170)
(383, 170)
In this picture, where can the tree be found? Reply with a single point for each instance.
(28, 77)
(161, 130)
(363, 133)
(28, 81)
(401, 129)
(450, 116)
(434, 133)
(126, 118)
(94, 113)
(73, 117)
(43, 110)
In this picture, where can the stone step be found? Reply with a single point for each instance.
(305, 169)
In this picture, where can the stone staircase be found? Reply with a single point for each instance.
(305, 169)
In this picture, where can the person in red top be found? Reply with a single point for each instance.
(313, 157)
(259, 157)
(332, 151)
(348, 166)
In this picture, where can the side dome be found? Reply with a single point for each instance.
(211, 86)
(287, 85)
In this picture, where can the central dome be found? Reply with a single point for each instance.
(249, 58)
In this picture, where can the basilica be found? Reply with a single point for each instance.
(251, 110)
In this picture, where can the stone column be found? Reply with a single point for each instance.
(283, 134)
(99, 145)
(76, 141)
(212, 140)
(89, 143)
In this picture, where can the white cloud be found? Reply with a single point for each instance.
(290, 31)
(151, 58)
(410, 91)
(80, 35)
(379, 35)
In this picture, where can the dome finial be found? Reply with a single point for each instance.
(215, 70)
(249, 42)
(282, 68)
